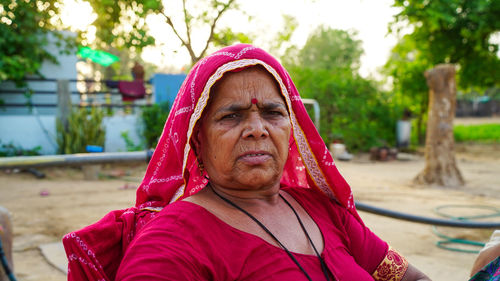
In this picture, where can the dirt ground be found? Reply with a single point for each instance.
(43, 210)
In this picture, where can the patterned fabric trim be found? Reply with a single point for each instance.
(392, 268)
(89, 259)
(490, 272)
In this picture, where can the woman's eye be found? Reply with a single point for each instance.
(275, 113)
(229, 116)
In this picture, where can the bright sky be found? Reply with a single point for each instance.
(369, 17)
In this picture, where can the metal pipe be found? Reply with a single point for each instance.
(111, 157)
(315, 105)
(426, 220)
(73, 159)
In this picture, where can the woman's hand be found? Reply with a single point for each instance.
(413, 274)
(484, 258)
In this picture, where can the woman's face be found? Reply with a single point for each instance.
(243, 137)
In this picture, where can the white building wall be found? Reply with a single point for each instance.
(65, 69)
(29, 131)
(117, 124)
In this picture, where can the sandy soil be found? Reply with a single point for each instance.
(477, 120)
(73, 202)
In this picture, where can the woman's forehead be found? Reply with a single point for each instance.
(248, 83)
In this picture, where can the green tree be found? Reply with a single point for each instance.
(205, 14)
(457, 32)
(352, 108)
(451, 31)
(153, 119)
(406, 66)
(331, 49)
(281, 42)
(24, 28)
(121, 24)
(196, 15)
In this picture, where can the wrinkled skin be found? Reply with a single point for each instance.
(243, 139)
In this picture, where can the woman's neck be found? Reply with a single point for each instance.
(268, 195)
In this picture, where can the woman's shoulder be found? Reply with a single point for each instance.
(179, 228)
(317, 203)
(178, 216)
(171, 246)
(304, 191)
(311, 196)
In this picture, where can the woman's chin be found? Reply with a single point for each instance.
(258, 179)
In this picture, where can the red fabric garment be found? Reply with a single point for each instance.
(309, 164)
(132, 90)
(186, 242)
(172, 173)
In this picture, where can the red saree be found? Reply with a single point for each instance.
(95, 252)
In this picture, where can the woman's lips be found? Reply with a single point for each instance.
(255, 158)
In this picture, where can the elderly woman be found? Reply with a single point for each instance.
(241, 187)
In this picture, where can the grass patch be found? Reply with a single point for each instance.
(477, 133)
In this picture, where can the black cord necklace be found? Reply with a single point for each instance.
(324, 268)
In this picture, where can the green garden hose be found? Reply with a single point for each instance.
(447, 240)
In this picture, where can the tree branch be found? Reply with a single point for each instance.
(184, 43)
(212, 27)
(186, 22)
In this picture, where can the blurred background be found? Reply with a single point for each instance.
(363, 61)
(91, 76)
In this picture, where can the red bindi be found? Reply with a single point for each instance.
(254, 101)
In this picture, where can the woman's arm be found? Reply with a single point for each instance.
(413, 274)
(485, 257)
(386, 264)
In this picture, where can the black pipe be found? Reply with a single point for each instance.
(426, 220)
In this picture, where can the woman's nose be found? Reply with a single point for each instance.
(255, 127)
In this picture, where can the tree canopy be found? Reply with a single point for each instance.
(113, 17)
(450, 31)
(331, 49)
(120, 26)
(352, 109)
(24, 26)
(406, 66)
(455, 31)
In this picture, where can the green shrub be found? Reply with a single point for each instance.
(351, 108)
(477, 133)
(153, 118)
(10, 149)
(129, 143)
(84, 128)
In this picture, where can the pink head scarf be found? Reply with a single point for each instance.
(173, 174)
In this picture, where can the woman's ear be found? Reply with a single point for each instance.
(195, 141)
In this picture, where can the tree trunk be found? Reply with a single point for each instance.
(420, 133)
(440, 165)
(420, 121)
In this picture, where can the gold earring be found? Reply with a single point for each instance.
(200, 166)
